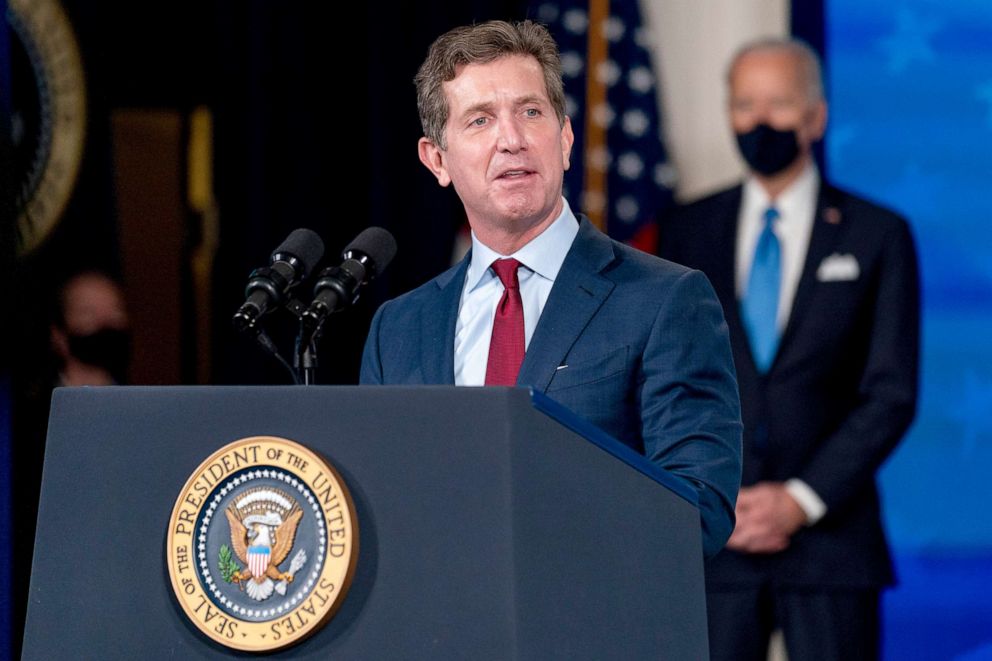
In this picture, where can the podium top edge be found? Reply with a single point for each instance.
(600, 438)
(539, 401)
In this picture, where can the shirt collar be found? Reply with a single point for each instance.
(799, 191)
(544, 254)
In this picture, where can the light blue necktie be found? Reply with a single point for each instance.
(760, 304)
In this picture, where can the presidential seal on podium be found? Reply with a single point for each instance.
(262, 544)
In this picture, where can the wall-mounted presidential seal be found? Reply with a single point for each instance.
(262, 544)
(48, 115)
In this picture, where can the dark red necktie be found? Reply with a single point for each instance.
(506, 348)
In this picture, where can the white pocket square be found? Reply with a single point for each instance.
(837, 268)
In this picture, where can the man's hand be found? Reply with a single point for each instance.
(767, 516)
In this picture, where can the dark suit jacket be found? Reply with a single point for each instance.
(647, 354)
(841, 391)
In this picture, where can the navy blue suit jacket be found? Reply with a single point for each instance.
(643, 353)
(841, 390)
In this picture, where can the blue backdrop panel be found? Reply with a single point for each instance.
(910, 84)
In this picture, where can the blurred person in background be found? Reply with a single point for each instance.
(820, 290)
(90, 333)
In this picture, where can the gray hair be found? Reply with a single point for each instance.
(805, 56)
(480, 44)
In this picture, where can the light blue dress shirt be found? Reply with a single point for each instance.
(540, 260)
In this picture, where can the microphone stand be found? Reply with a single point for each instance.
(270, 347)
(306, 356)
(304, 368)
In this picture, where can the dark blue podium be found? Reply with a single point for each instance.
(493, 524)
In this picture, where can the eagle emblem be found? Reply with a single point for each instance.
(262, 544)
(263, 525)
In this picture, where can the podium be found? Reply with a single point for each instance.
(492, 524)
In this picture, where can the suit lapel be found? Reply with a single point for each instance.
(578, 293)
(826, 230)
(437, 332)
(721, 267)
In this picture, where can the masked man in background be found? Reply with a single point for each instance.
(820, 291)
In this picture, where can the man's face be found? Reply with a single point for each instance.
(93, 303)
(506, 152)
(767, 87)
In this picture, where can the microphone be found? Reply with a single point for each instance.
(268, 286)
(364, 259)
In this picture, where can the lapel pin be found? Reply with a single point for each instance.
(832, 215)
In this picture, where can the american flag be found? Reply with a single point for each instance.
(620, 175)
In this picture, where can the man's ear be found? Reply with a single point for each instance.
(433, 159)
(819, 121)
(567, 138)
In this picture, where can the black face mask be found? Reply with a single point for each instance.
(768, 151)
(108, 348)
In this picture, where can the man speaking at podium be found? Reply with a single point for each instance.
(636, 345)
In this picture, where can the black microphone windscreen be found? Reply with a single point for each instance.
(377, 243)
(305, 245)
